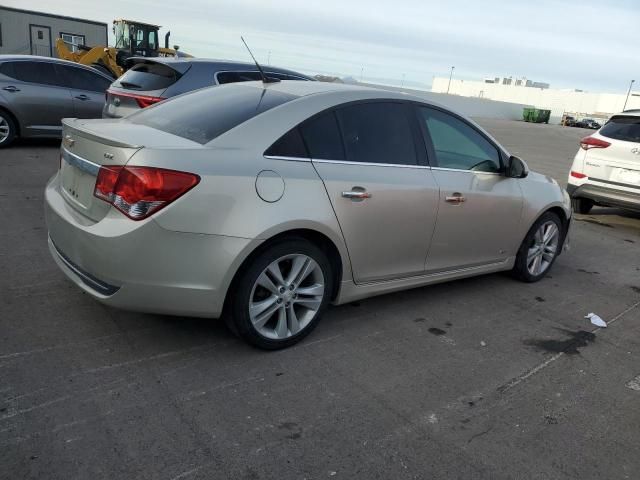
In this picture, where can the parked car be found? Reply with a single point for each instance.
(264, 203)
(606, 169)
(569, 121)
(37, 92)
(588, 123)
(151, 80)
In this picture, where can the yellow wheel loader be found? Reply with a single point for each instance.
(133, 39)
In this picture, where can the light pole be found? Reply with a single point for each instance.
(627, 99)
(402, 83)
(361, 72)
(450, 75)
(269, 58)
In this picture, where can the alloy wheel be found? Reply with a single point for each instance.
(5, 129)
(286, 296)
(544, 248)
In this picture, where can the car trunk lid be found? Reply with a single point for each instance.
(617, 164)
(88, 145)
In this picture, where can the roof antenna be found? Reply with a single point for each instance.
(265, 79)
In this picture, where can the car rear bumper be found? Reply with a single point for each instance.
(141, 266)
(607, 196)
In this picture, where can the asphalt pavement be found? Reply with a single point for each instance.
(483, 378)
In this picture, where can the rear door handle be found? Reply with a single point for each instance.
(356, 194)
(82, 97)
(11, 88)
(456, 198)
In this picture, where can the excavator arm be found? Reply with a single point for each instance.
(104, 57)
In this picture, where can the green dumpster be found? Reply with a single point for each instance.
(536, 115)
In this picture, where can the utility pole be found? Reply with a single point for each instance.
(628, 93)
(450, 75)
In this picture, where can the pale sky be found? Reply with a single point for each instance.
(587, 44)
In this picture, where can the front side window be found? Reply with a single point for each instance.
(377, 133)
(457, 145)
(35, 72)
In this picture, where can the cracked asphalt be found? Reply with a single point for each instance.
(483, 378)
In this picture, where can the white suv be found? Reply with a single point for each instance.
(606, 169)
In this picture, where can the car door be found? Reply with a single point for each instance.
(87, 90)
(480, 208)
(384, 196)
(32, 91)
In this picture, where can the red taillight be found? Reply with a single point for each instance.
(591, 142)
(139, 192)
(578, 174)
(143, 101)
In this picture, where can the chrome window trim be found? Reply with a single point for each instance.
(80, 163)
(371, 164)
(463, 170)
(288, 159)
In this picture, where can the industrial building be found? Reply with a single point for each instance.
(577, 103)
(35, 33)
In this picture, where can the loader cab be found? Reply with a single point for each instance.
(136, 38)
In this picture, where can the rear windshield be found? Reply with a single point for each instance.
(148, 76)
(206, 114)
(621, 127)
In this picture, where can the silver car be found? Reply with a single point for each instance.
(262, 204)
(36, 93)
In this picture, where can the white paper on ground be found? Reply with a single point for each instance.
(596, 320)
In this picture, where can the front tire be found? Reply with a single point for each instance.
(280, 297)
(7, 129)
(539, 249)
(581, 205)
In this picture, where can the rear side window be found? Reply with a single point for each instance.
(148, 76)
(289, 145)
(322, 137)
(235, 77)
(206, 114)
(622, 127)
(377, 133)
(81, 79)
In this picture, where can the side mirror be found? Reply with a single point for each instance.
(516, 168)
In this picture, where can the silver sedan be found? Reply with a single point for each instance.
(263, 203)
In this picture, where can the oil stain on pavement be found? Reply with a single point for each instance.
(570, 346)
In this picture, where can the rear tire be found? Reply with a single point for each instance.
(581, 205)
(539, 249)
(7, 129)
(281, 295)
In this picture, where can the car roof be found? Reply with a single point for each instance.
(182, 63)
(7, 58)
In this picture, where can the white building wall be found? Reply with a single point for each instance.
(585, 104)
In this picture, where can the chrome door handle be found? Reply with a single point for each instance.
(82, 97)
(11, 88)
(357, 194)
(456, 198)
